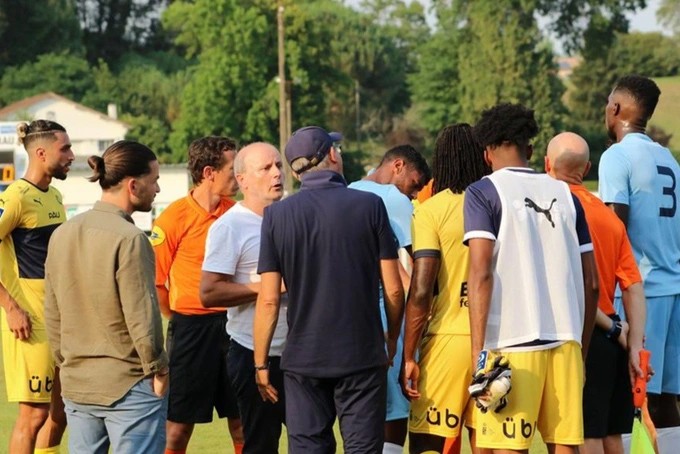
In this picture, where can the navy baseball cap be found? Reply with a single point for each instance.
(311, 142)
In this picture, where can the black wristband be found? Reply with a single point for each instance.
(263, 367)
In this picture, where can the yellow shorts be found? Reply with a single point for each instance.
(547, 392)
(445, 374)
(29, 367)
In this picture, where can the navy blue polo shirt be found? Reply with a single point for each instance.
(327, 242)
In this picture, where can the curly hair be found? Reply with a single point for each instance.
(458, 159)
(208, 151)
(506, 124)
(644, 91)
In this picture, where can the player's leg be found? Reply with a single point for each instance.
(360, 400)
(396, 416)
(311, 402)
(29, 376)
(560, 419)
(51, 433)
(194, 370)
(445, 372)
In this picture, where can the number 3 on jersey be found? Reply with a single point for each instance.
(668, 212)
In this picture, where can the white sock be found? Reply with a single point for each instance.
(392, 448)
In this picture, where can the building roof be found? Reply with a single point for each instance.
(26, 103)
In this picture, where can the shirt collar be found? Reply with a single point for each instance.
(637, 136)
(322, 179)
(519, 169)
(113, 209)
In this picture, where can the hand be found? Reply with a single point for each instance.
(623, 337)
(267, 391)
(409, 380)
(19, 322)
(160, 383)
(634, 369)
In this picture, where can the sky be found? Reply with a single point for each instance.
(645, 20)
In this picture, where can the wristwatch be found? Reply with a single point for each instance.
(615, 331)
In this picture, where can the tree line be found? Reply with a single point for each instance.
(382, 72)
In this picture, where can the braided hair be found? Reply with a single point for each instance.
(458, 159)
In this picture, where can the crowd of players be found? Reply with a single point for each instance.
(521, 305)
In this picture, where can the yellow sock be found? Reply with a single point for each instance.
(50, 450)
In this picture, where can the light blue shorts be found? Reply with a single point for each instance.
(397, 404)
(662, 334)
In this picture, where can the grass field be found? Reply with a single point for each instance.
(666, 114)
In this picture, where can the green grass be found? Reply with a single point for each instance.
(666, 113)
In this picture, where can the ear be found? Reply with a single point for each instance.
(208, 173)
(586, 169)
(239, 179)
(41, 153)
(132, 186)
(398, 165)
(334, 155)
(616, 109)
(487, 157)
(530, 151)
(546, 164)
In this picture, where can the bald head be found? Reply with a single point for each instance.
(568, 154)
(250, 153)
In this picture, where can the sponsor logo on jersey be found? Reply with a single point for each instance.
(157, 236)
(2, 210)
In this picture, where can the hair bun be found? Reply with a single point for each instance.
(22, 131)
(96, 163)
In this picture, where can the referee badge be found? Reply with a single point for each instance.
(157, 236)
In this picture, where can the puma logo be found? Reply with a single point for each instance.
(546, 211)
(38, 202)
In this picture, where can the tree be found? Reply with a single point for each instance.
(112, 27)
(29, 29)
(63, 73)
(669, 15)
(514, 65)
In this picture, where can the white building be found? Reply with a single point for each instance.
(91, 132)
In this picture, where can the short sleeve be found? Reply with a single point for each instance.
(269, 260)
(386, 239)
(481, 215)
(10, 213)
(582, 232)
(627, 272)
(164, 241)
(400, 212)
(614, 175)
(424, 233)
(222, 248)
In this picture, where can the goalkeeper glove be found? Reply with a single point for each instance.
(490, 382)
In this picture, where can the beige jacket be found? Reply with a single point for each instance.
(101, 307)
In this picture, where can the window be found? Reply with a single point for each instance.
(102, 145)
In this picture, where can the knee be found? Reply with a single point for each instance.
(32, 417)
(178, 435)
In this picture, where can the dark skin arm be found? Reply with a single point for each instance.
(591, 289)
(425, 270)
(480, 286)
(621, 211)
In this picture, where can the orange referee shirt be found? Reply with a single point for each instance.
(178, 239)
(613, 254)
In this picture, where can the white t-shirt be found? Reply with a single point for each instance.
(233, 247)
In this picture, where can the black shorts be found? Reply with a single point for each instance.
(198, 347)
(607, 395)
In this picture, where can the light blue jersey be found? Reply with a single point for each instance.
(642, 174)
(399, 211)
(399, 207)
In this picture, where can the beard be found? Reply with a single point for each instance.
(59, 172)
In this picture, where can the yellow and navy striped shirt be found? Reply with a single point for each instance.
(28, 216)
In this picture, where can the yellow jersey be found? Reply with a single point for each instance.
(28, 216)
(437, 231)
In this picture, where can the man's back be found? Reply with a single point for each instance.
(109, 321)
(327, 241)
(613, 253)
(644, 175)
(537, 274)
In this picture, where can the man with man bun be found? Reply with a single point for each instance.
(102, 315)
(30, 210)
